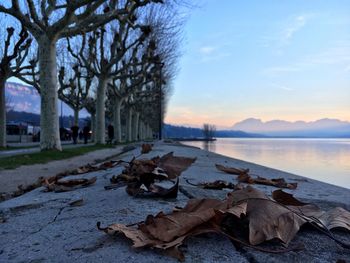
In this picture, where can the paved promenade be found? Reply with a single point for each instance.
(42, 226)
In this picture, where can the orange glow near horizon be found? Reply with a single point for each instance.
(189, 118)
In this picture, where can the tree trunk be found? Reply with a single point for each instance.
(136, 126)
(93, 127)
(76, 117)
(129, 125)
(49, 132)
(148, 129)
(100, 111)
(2, 113)
(140, 131)
(117, 120)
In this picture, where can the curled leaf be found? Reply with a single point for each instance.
(146, 148)
(69, 185)
(173, 166)
(231, 170)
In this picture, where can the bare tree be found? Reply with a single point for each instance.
(13, 57)
(209, 131)
(105, 50)
(74, 88)
(166, 22)
(51, 20)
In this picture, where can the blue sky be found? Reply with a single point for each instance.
(265, 59)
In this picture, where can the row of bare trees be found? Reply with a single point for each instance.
(114, 58)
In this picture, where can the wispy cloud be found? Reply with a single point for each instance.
(207, 50)
(275, 71)
(339, 55)
(281, 87)
(283, 35)
(209, 53)
(297, 24)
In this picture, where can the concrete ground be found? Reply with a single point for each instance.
(43, 227)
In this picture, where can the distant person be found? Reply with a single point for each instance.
(81, 135)
(110, 129)
(86, 132)
(75, 132)
(63, 133)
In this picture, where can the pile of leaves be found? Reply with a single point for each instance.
(140, 176)
(246, 216)
(244, 177)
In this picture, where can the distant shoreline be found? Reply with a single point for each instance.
(263, 137)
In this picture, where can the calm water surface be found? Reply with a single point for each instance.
(326, 160)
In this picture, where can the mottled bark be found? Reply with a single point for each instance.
(129, 125)
(2, 113)
(140, 130)
(76, 117)
(135, 126)
(117, 119)
(93, 127)
(49, 133)
(100, 111)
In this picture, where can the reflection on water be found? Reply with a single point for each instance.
(209, 146)
(326, 160)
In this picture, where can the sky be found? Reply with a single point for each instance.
(266, 59)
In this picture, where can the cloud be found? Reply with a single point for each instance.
(207, 50)
(297, 24)
(281, 87)
(338, 55)
(283, 35)
(209, 53)
(276, 71)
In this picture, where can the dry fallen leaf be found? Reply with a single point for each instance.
(231, 170)
(173, 166)
(246, 214)
(140, 176)
(216, 185)
(146, 148)
(335, 218)
(69, 185)
(285, 198)
(244, 177)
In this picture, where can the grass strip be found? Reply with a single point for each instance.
(13, 162)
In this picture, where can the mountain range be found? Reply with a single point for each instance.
(320, 128)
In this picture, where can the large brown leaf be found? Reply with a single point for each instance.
(267, 219)
(337, 217)
(167, 227)
(246, 214)
(285, 198)
(174, 165)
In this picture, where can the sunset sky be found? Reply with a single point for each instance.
(265, 59)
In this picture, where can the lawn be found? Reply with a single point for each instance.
(13, 162)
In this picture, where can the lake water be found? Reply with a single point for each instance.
(326, 160)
